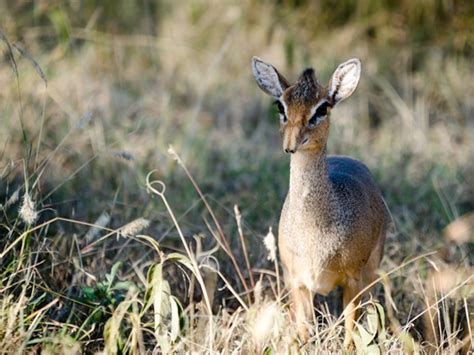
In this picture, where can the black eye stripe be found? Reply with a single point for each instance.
(281, 110)
(280, 107)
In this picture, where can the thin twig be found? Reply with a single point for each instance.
(161, 193)
(238, 218)
(226, 248)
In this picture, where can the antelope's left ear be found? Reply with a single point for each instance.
(344, 80)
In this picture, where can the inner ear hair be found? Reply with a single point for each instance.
(268, 78)
(344, 80)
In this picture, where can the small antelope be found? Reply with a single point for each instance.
(334, 219)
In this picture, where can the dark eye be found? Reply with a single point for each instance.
(281, 111)
(321, 111)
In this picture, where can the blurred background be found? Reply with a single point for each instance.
(94, 92)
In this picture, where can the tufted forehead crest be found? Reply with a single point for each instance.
(306, 89)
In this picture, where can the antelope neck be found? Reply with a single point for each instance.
(309, 175)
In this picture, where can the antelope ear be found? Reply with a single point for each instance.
(344, 80)
(268, 78)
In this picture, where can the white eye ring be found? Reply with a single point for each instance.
(283, 119)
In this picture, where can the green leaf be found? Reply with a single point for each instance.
(365, 336)
(112, 335)
(175, 328)
(181, 259)
(157, 294)
(381, 313)
(373, 319)
(164, 343)
(407, 341)
(154, 275)
(184, 260)
(113, 272)
(357, 340)
(372, 349)
(382, 336)
(89, 294)
(123, 285)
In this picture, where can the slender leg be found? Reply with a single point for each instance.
(302, 310)
(351, 311)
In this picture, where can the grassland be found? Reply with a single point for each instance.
(111, 241)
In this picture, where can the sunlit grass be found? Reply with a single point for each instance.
(109, 241)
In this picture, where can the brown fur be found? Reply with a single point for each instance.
(334, 220)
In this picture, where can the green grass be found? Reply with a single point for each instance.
(90, 106)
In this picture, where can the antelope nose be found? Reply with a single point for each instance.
(291, 151)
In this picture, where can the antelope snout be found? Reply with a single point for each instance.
(290, 140)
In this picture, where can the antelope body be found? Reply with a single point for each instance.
(334, 219)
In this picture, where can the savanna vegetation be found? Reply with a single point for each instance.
(141, 173)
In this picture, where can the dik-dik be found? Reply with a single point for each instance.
(334, 219)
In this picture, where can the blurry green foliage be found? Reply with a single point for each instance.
(113, 16)
(413, 22)
(61, 25)
(446, 23)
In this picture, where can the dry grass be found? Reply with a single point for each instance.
(112, 242)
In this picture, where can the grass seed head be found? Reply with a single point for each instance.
(263, 326)
(270, 244)
(13, 199)
(99, 224)
(134, 227)
(28, 211)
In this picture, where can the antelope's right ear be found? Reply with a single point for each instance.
(268, 78)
